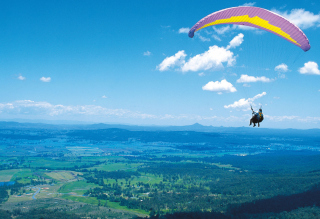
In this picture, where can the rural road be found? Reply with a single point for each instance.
(34, 195)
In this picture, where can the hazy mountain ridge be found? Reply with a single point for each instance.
(193, 127)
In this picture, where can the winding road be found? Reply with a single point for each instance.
(34, 195)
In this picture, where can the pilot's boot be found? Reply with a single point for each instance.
(258, 124)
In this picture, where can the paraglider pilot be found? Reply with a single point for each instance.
(256, 117)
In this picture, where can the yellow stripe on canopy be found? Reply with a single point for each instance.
(254, 20)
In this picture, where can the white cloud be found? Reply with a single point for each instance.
(301, 18)
(281, 118)
(250, 79)
(236, 41)
(310, 68)
(104, 97)
(44, 79)
(249, 4)
(21, 78)
(217, 86)
(212, 59)
(221, 30)
(147, 53)
(216, 37)
(175, 60)
(29, 107)
(184, 30)
(242, 27)
(203, 39)
(201, 74)
(282, 68)
(245, 104)
(309, 119)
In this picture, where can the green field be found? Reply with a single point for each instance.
(6, 175)
(52, 163)
(23, 176)
(147, 178)
(63, 175)
(78, 187)
(116, 166)
(95, 201)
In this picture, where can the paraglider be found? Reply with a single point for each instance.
(256, 117)
(257, 18)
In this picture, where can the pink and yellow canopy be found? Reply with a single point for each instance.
(258, 18)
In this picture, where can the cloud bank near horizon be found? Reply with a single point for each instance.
(28, 109)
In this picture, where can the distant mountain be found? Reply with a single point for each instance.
(195, 127)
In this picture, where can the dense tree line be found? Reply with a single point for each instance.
(43, 213)
(279, 203)
(3, 194)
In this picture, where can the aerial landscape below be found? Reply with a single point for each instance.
(75, 171)
(159, 109)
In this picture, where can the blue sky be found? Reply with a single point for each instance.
(131, 62)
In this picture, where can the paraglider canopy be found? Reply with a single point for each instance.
(258, 18)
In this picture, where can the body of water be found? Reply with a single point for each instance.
(7, 183)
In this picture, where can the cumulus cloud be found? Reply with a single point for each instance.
(310, 68)
(301, 18)
(201, 74)
(211, 59)
(219, 86)
(250, 79)
(44, 79)
(147, 53)
(175, 60)
(236, 41)
(104, 97)
(282, 68)
(21, 78)
(245, 104)
(184, 30)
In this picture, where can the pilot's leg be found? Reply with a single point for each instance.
(254, 124)
(258, 124)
